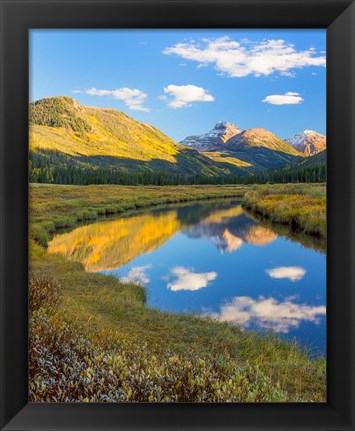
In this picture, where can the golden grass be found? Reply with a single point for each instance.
(302, 207)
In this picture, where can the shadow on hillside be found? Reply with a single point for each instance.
(264, 158)
(188, 162)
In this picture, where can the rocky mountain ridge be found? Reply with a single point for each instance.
(308, 142)
(76, 144)
(219, 135)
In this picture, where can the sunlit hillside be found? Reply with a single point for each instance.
(66, 134)
(262, 148)
(227, 162)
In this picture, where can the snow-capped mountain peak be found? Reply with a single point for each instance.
(222, 131)
(223, 125)
(308, 142)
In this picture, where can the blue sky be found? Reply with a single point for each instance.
(184, 81)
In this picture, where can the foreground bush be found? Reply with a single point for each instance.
(44, 292)
(65, 366)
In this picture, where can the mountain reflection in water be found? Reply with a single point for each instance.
(212, 259)
(109, 244)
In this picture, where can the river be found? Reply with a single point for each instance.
(211, 258)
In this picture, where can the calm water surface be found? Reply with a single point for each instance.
(212, 258)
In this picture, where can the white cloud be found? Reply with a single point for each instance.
(289, 98)
(188, 280)
(77, 91)
(243, 58)
(293, 273)
(137, 274)
(268, 313)
(184, 95)
(132, 97)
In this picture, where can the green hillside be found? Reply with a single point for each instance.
(69, 141)
(311, 169)
(317, 159)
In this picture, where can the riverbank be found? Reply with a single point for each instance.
(54, 207)
(302, 207)
(129, 352)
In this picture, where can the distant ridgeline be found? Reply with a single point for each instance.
(75, 144)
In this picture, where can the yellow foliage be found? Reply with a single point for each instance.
(107, 245)
(225, 158)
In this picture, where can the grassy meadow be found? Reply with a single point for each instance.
(301, 207)
(92, 337)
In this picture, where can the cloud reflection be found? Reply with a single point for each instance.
(268, 313)
(188, 280)
(293, 273)
(137, 274)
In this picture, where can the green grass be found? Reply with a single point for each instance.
(109, 346)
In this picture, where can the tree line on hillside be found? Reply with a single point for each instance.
(311, 174)
(43, 171)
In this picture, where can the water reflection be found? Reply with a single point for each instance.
(260, 235)
(268, 313)
(189, 280)
(108, 245)
(293, 273)
(230, 229)
(138, 274)
(212, 258)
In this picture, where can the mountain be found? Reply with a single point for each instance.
(214, 139)
(310, 164)
(72, 138)
(262, 148)
(319, 159)
(308, 142)
(74, 144)
(253, 150)
(309, 169)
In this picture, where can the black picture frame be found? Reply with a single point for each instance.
(17, 17)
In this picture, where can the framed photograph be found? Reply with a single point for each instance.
(177, 206)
